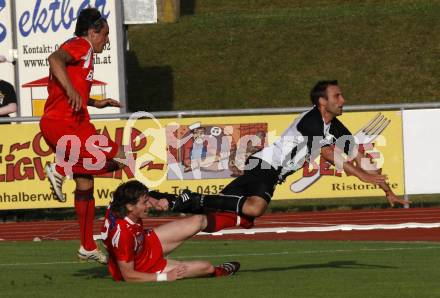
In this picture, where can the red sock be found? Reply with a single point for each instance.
(220, 220)
(226, 269)
(89, 241)
(85, 211)
(219, 271)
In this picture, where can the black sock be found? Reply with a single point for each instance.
(223, 202)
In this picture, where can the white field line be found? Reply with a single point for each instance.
(311, 252)
(332, 251)
(345, 227)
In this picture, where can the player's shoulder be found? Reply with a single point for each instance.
(6, 84)
(77, 39)
(310, 122)
(76, 42)
(116, 223)
(129, 226)
(311, 115)
(339, 128)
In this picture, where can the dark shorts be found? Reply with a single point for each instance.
(259, 179)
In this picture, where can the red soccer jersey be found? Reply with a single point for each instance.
(128, 241)
(80, 72)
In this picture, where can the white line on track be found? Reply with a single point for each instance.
(252, 254)
(327, 221)
(321, 214)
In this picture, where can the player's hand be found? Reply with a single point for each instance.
(75, 100)
(177, 273)
(393, 199)
(108, 102)
(162, 205)
(159, 205)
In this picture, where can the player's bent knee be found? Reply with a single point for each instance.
(199, 221)
(255, 211)
(254, 206)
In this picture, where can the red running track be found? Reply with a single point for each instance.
(67, 230)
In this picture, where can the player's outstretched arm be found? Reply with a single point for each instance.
(161, 201)
(372, 175)
(57, 62)
(336, 158)
(392, 198)
(131, 275)
(389, 194)
(108, 102)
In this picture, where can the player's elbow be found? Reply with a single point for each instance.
(128, 279)
(127, 275)
(52, 59)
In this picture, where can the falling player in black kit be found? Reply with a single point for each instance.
(317, 131)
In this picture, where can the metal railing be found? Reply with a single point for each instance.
(234, 112)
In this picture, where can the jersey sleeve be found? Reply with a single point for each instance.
(123, 246)
(311, 129)
(343, 137)
(77, 48)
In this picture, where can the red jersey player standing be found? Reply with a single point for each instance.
(66, 125)
(138, 255)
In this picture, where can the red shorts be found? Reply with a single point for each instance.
(150, 261)
(79, 146)
(155, 263)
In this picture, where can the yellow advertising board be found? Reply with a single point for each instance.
(203, 154)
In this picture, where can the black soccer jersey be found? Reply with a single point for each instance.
(302, 141)
(7, 95)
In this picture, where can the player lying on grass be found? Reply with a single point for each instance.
(317, 131)
(138, 255)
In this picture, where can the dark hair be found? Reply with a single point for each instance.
(320, 90)
(126, 193)
(89, 18)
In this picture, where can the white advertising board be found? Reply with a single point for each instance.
(41, 27)
(6, 45)
(421, 151)
(140, 11)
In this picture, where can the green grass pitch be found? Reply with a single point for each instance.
(269, 269)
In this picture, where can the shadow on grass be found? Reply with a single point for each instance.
(334, 264)
(148, 88)
(93, 273)
(187, 7)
